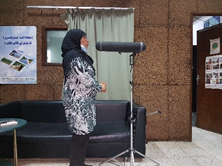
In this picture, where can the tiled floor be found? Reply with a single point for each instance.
(204, 150)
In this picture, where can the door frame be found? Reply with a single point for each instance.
(193, 98)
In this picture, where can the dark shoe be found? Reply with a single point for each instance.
(87, 165)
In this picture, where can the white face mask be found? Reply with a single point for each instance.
(83, 48)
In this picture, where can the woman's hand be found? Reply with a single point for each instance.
(103, 85)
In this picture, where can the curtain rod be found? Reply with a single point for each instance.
(71, 7)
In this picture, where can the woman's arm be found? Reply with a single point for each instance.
(86, 75)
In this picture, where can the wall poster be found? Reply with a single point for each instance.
(215, 46)
(213, 72)
(18, 62)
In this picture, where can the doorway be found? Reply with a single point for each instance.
(199, 96)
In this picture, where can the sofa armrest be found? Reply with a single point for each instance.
(10, 110)
(139, 128)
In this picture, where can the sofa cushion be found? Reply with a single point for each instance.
(43, 133)
(48, 133)
(38, 133)
(110, 131)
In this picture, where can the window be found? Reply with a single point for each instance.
(52, 38)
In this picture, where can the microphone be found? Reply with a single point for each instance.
(135, 47)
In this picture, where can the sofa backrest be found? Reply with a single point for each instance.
(53, 111)
(10, 110)
(112, 110)
(42, 111)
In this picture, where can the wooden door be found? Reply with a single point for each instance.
(209, 101)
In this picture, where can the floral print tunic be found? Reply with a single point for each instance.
(80, 87)
(80, 91)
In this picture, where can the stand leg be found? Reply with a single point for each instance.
(146, 158)
(15, 149)
(132, 151)
(114, 158)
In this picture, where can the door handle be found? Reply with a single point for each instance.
(198, 78)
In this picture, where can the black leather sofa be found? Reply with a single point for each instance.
(46, 133)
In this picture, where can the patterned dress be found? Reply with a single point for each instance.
(80, 86)
(80, 89)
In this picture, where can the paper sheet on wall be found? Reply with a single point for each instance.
(18, 55)
(215, 46)
(213, 72)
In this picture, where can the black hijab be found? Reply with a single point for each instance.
(71, 45)
(72, 40)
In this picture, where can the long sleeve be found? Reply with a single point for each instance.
(80, 79)
(80, 89)
(85, 74)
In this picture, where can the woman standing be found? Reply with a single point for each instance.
(80, 89)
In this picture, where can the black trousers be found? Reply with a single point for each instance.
(78, 149)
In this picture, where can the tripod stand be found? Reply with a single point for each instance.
(132, 120)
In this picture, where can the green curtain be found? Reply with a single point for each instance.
(107, 25)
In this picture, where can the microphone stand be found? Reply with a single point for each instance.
(132, 120)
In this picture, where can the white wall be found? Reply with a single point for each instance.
(198, 25)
